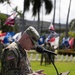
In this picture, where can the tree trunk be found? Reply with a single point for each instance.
(23, 21)
(59, 17)
(54, 12)
(38, 21)
(67, 29)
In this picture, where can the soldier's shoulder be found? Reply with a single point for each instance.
(10, 51)
(10, 48)
(12, 45)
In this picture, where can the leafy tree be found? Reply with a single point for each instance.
(72, 28)
(6, 28)
(2, 19)
(17, 11)
(72, 25)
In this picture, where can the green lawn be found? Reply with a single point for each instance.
(49, 69)
(62, 66)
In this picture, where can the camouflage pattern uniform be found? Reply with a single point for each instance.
(1, 48)
(15, 61)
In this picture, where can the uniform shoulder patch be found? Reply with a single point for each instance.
(10, 57)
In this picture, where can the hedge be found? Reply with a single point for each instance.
(66, 52)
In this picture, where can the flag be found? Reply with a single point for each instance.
(41, 40)
(71, 43)
(55, 43)
(10, 20)
(2, 35)
(53, 39)
(17, 36)
(51, 27)
(65, 41)
(8, 37)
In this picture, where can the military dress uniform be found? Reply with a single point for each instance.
(15, 61)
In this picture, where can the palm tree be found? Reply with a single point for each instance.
(19, 12)
(54, 12)
(36, 8)
(67, 29)
(2, 1)
(59, 17)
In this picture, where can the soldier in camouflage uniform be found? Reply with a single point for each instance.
(1, 47)
(14, 58)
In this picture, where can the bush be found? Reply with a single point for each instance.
(66, 52)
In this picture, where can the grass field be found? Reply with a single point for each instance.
(49, 69)
(62, 66)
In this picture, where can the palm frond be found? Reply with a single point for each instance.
(26, 5)
(48, 6)
(36, 6)
(1, 1)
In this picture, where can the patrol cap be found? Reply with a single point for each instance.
(34, 35)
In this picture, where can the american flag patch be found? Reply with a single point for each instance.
(10, 57)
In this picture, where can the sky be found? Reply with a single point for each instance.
(64, 4)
